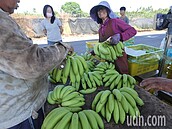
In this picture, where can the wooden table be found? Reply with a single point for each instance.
(153, 107)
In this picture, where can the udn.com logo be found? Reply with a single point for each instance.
(155, 120)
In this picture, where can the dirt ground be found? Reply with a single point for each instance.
(153, 107)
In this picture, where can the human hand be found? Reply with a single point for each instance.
(71, 50)
(115, 39)
(157, 83)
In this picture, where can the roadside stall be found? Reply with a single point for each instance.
(89, 92)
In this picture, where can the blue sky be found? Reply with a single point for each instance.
(86, 5)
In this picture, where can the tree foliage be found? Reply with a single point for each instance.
(71, 8)
(74, 9)
(143, 12)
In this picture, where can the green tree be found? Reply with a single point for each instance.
(72, 8)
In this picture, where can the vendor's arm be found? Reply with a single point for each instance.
(125, 30)
(22, 59)
(157, 83)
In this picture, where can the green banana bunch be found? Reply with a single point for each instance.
(74, 69)
(100, 100)
(117, 104)
(53, 78)
(79, 66)
(110, 78)
(90, 64)
(87, 56)
(54, 117)
(62, 118)
(89, 82)
(113, 79)
(66, 96)
(108, 52)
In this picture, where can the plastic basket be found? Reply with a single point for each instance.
(90, 45)
(129, 42)
(144, 63)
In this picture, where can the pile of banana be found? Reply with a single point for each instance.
(113, 79)
(62, 118)
(66, 96)
(87, 56)
(91, 65)
(90, 81)
(74, 68)
(117, 104)
(108, 52)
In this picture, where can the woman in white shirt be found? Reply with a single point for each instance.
(51, 26)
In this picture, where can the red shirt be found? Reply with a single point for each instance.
(115, 26)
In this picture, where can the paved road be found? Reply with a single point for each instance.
(153, 40)
(150, 39)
